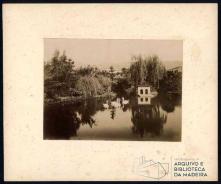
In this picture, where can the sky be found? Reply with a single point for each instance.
(104, 53)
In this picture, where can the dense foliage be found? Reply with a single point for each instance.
(60, 68)
(62, 79)
(93, 86)
(147, 70)
(172, 82)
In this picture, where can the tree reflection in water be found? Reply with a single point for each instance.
(147, 119)
(63, 121)
(113, 113)
(86, 110)
(60, 122)
(169, 101)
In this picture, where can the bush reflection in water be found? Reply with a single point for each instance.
(64, 121)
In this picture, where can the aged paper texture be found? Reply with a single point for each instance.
(28, 156)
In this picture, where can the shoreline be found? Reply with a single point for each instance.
(73, 99)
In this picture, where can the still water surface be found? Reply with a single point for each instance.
(154, 119)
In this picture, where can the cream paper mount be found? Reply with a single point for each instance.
(31, 154)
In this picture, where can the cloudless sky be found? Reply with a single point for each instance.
(104, 53)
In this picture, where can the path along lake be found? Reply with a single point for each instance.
(138, 119)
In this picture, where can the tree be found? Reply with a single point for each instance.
(146, 70)
(112, 72)
(61, 67)
(125, 72)
(172, 82)
(111, 69)
(58, 75)
(89, 70)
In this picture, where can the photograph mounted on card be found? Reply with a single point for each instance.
(112, 89)
(108, 92)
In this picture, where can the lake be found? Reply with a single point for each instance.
(134, 119)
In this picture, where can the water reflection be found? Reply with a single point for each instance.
(169, 101)
(144, 100)
(60, 122)
(138, 119)
(113, 113)
(147, 119)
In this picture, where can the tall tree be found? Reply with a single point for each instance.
(111, 69)
(61, 67)
(112, 72)
(146, 70)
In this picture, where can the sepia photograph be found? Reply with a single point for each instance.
(112, 89)
(110, 92)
